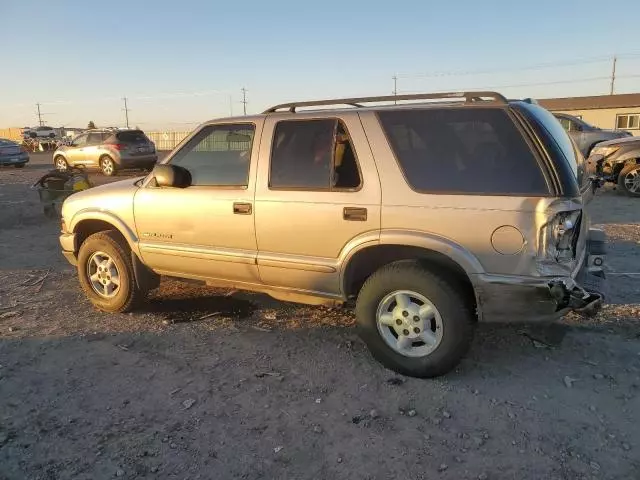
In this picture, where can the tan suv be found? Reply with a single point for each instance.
(431, 216)
(109, 150)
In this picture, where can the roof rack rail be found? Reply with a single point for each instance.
(357, 102)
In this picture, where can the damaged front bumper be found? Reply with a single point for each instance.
(525, 299)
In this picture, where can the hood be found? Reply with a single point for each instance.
(620, 142)
(111, 197)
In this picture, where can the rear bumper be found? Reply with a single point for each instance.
(143, 161)
(527, 299)
(19, 159)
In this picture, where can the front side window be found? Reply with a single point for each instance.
(80, 140)
(313, 155)
(218, 155)
(462, 151)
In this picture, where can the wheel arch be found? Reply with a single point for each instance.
(86, 223)
(444, 257)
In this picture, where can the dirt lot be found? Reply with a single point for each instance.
(262, 389)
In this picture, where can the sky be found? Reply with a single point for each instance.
(183, 62)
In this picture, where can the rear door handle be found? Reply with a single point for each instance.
(242, 208)
(355, 214)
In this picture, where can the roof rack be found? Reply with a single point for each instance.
(357, 102)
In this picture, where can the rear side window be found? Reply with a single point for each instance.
(132, 136)
(463, 151)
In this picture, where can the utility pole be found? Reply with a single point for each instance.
(39, 115)
(613, 75)
(126, 111)
(395, 87)
(244, 99)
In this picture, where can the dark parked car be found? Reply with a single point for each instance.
(12, 153)
(585, 135)
(618, 161)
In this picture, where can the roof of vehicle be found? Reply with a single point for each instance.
(331, 107)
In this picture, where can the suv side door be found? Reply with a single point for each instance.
(317, 195)
(92, 150)
(75, 153)
(206, 230)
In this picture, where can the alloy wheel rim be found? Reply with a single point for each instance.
(103, 275)
(107, 166)
(409, 323)
(632, 181)
(61, 164)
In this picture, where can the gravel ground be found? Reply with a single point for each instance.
(208, 383)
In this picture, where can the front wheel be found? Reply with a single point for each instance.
(629, 180)
(108, 166)
(106, 274)
(413, 321)
(61, 164)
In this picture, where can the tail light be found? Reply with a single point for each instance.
(559, 237)
(118, 146)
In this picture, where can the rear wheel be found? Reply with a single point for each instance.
(413, 321)
(629, 180)
(105, 270)
(107, 166)
(61, 164)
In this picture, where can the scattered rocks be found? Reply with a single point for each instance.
(395, 381)
(339, 459)
(569, 381)
(478, 441)
(374, 413)
(12, 313)
(165, 439)
(13, 329)
(277, 449)
(317, 429)
(598, 376)
(511, 415)
(592, 408)
(318, 400)
(154, 469)
(446, 414)
(411, 413)
(443, 467)
(626, 447)
(173, 445)
(119, 473)
(188, 403)
(594, 465)
(483, 476)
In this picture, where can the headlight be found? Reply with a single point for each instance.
(604, 151)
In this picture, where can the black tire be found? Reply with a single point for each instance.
(20, 165)
(104, 163)
(455, 311)
(128, 295)
(58, 162)
(622, 175)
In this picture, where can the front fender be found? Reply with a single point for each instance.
(626, 156)
(107, 217)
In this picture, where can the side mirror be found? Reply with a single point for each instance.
(171, 176)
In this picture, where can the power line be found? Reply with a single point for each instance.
(539, 66)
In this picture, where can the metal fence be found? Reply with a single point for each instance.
(11, 133)
(166, 140)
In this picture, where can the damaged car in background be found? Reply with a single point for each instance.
(617, 162)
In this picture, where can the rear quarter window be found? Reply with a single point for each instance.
(463, 151)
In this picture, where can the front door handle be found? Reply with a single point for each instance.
(242, 208)
(355, 214)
